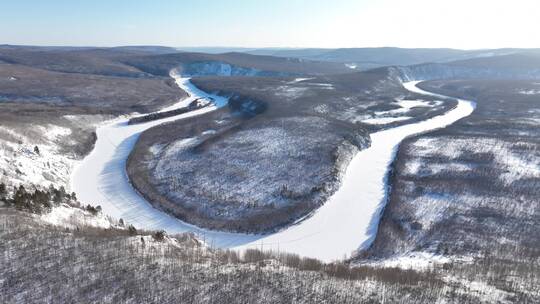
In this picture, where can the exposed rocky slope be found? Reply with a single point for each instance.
(231, 64)
(513, 66)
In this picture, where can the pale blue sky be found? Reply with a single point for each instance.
(275, 23)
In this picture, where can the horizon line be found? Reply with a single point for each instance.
(261, 48)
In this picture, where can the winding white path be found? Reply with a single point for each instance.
(347, 222)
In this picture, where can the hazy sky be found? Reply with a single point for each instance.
(272, 23)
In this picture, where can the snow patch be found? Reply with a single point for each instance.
(410, 103)
(322, 108)
(71, 217)
(53, 132)
(181, 145)
(290, 92)
(297, 80)
(490, 293)
(529, 92)
(413, 260)
(405, 105)
(156, 149)
(415, 167)
(385, 120)
(21, 165)
(322, 85)
(516, 165)
(209, 132)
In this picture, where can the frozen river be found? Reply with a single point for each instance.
(345, 223)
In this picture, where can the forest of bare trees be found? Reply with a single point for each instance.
(44, 263)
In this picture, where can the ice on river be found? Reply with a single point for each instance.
(345, 223)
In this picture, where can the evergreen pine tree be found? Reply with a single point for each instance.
(132, 230)
(3, 190)
(20, 198)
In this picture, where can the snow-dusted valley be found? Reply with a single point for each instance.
(272, 158)
(356, 205)
(302, 181)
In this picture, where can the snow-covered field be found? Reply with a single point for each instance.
(71, 217)
(529, 92)
(405, 105)
(347, 222)
(514, 165)
(385, 120)
(413, 260)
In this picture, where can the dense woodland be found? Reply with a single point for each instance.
(128, 265)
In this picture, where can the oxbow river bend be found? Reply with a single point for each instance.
(345, 223)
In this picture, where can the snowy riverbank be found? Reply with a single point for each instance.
(347, 222)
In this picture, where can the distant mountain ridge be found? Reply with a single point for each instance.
(149, 61)
(513, 66)
(145, 61)
(367, 58)
(232, 64)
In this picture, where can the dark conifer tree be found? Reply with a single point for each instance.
(3, 190)
(132, 230)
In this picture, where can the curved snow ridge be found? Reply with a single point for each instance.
(346, 223)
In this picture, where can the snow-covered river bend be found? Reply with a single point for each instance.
(347, 222)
